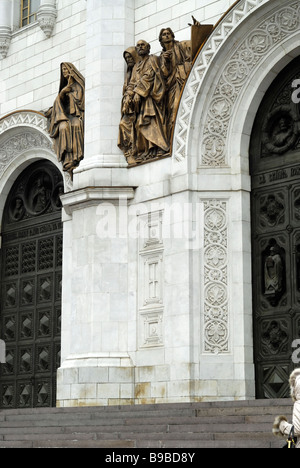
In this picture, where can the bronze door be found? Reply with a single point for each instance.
(275, 168)
(31, 275)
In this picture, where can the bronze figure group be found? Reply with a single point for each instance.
(151, 95)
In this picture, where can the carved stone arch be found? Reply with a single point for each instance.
(247, 49)
(23, 140)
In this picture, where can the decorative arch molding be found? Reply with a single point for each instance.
(252, 38)
(23, 139)
(23, 118)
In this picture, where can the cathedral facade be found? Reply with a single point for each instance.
(149, 200)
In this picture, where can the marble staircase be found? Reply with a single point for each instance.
(239, 424)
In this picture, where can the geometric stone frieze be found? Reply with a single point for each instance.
(24, 118)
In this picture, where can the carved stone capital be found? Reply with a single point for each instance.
(46, 17)
(5, 38)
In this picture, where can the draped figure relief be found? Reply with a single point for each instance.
(176, 64)
(144, 99)
(66, 118)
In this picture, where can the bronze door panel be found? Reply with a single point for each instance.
(31, 276)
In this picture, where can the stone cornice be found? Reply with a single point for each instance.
(91, 196)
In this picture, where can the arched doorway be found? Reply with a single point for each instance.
(275, 172)
(31, 275)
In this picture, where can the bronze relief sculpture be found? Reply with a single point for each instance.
(176, 64)
(126, 140)
(144, 106)
(66, 118)
(152, 91)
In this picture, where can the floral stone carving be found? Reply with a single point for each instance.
(216, 326)
(66, 118)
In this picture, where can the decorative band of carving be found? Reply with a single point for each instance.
(247, 56)
(215, 326)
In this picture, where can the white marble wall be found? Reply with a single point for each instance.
(152, 16)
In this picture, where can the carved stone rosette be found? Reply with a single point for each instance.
(46, 17)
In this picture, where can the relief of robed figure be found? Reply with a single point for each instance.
(126, 140)
(66, 118)
(176, 64)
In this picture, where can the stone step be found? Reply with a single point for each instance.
(107, 444)
(144, 412)
(169, 407)
(137, 431)
(146, 416)
(160, 427)
(54, 436)
(115, 423)
(7, 416)
(178, 444)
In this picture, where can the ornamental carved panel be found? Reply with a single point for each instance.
(216, 314)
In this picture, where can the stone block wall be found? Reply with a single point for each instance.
(152, 16)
